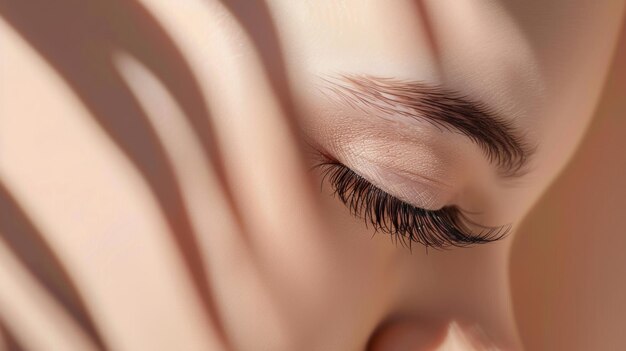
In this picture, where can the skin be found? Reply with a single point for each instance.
(275, 263)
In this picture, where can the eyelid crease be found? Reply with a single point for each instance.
(423, 179)
(324, 158)
(444, 109)
(428, 194)
(440, 229)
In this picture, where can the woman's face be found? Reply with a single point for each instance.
(439, 121)
(469, 104)
(472, 104)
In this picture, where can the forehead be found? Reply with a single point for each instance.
(475, 47)
(541, 63)
(504, 51)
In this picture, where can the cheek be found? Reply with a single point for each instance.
(360, 286)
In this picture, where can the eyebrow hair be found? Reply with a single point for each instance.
(445, 109)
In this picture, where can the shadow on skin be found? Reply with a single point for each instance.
(78, 39)
(30, 247)
(255, 18)
(8, 340)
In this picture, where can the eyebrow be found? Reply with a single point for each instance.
(446, 109)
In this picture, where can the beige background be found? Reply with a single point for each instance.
(569, 264)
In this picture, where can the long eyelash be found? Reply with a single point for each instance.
(406, 223)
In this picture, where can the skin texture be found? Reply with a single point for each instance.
(159, 171)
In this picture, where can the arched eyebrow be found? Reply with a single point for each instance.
(446, 109)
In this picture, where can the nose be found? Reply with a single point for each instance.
(415, 336)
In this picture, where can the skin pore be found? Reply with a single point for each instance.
(119, 178)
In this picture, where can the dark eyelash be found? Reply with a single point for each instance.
(406, 223)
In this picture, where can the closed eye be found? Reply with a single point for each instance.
(406, 224)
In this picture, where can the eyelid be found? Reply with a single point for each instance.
(502, 143)
(416, 193)
(421, 191)
(415, 189)
(441, 228)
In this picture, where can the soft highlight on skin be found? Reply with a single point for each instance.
(445, 109)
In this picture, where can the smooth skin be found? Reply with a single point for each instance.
(161, 151)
